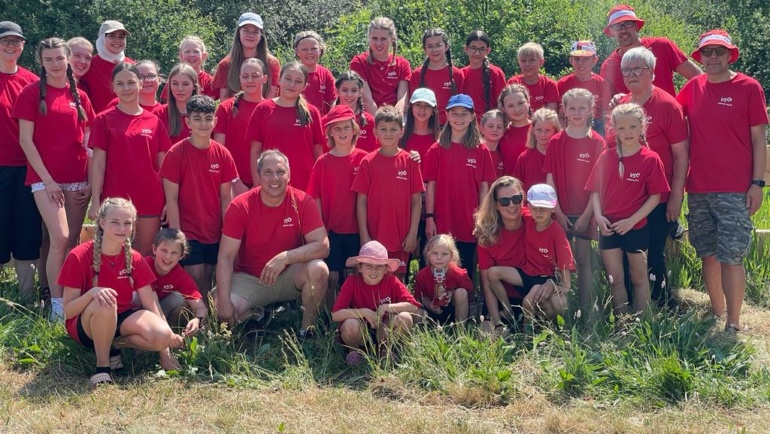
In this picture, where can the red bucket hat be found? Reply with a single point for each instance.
(338, 113)
(716, 37)
(619, 14)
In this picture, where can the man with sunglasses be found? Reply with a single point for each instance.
(623, 25)
(727, 116)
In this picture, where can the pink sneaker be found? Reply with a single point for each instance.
(354, 358)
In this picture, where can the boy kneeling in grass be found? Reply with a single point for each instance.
(373, 302)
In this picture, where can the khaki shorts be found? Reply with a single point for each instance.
(259, 295)
(172, 302)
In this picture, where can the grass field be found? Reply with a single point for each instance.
(591, 372)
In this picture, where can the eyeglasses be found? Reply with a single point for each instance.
(623, 25)
(709, 51)
(633, 71)
(477, 50)
(148, 77)
(506, 201)
(11, 42)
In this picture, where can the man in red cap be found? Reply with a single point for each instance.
(727, 115)
(623, 25)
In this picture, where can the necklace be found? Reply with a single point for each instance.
(112, 260)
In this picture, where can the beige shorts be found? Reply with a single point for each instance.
(172, 302)
(259, 295)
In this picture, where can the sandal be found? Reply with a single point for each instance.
(116, 363)
(354, 358)
(101, 378)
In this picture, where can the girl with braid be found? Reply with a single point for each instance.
(99, 278)
(437, 72)
(233, 118)
(289, 124)
(483, 80)
(55, 119)
(350, 93)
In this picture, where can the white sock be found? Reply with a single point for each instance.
(57, 309)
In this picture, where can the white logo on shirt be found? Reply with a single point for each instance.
(634, 177)
(540, 98)
(297, 123)
(72, 104)
(649, 120)
(385, 300)
(727, 101)
(124, 274)
(543, 250)
(146, 131)
(401, 175)
(168, 287)
(287, 222)
(322, 88)
(447, 85)
(392, 74)
(584, 157)
(471, 163)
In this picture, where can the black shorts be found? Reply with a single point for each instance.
(201, 253)
(634, 241)
(20, 223)
(528, 281)
(342, 247)
(446, 316)
(88, 342)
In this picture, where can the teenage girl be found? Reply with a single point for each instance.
(492, 127)
(483, 81)
(82, 54)
(183, 81)
(99, 279)
(442, 286)
(110, 50)
(192, 51)
(571, 156)
(129, 145)
(514, 102)
(54, 121)
(248, 41)
(149, 74)
(422, 127)
(625, 185)
(309, 47)
(330, 182)
(289, 124)
(233, 118)
(386, 76)
(437, 72)
(458, 170)
(350, 93)
(20, 227)
(529, 166)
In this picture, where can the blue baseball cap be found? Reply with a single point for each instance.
(250, 18)
(425, 95)
(460, 100)
(542, 195)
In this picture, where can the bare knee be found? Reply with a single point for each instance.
(351, 330)
(317, 272)
(403, 321)
(160, 337)
(460, 295)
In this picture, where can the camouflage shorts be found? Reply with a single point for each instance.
(719, 226)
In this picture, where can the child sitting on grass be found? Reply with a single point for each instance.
(443, 287)
(372, 303)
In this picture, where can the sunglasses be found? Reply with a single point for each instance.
(506, 201)
(708, 52)
(623, 25)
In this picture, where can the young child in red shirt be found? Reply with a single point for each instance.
(192, 51)
(443, 287)
(198, 174)
(545, 278)
(389, 186)
(176, 290)
(625, 185)
(309, 47)
(330, 181)
(583, 58)
(483, 80)
(350, 93)
(437, 72)
(542, 90)
(372, 303)
(529, 166)
(515, 103)
(492, 128)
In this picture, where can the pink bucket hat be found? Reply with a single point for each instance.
(373, 253)
(716, 37)
(621, 13)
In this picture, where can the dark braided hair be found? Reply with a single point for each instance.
(480, 35)
(51, 44)
(360, 110)
(448, 53)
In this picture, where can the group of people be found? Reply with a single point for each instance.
(296, 176)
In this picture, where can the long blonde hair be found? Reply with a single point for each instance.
(174, 124)
(629, 109)
(488, 219)
(109, 204)
(543, 114)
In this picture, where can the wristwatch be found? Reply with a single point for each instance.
(758, 182)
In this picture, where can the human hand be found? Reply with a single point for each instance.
(415, 156)
(674, 207)
(582, 223)
(370, 317)
(225, 310)
(754, 199)
(177, 341)
(82, 197)
(55, 193)
(604, 225)
(274, 268)
(106, 297)
(430, 228)
(192, 327)
(563, 221)
(621, 227)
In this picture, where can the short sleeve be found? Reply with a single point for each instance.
(142, 274)
(488, 175)
(164, 141)
(417, 184)
(362, 183)
(236, 221)
(223, 117)
(27, 105)
(171, 164)
(345, 297)
(311, 216)
(432, 158)
(484, 258)
(229, 171)
(550, 90)
(100, 133)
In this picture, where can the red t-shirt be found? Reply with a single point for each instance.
(540, 93)
(512, 144)
(425, 284)
(421, 144)
(154, 109)
(98, 81)
(438, 81)
(184, 132)
(277, 127)
(596, 85)
(509, 251)
(234, 129)
(58, 135)
(356, 294)
(388, 183)
(666, 125)
(77, 272)
(11, 85)
(320, 90)
(199, 174)
(570, 161)
(265, 231)
(330, 182)
(720, 116)
(367, 141)
(668, 57)
(620, 198)
(383, 77)
(547, 251)
(474, 87)
(497, 162)
(458, 172)
(223, 68)
(529, 168)
(204, 82)
(176, 280)
(132, 144)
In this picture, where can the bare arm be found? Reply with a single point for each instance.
(688, 70)
(759, 148)
(171, 191)
(225, 196)
(363, 229)
(255, 150)
(220, 138)
(316, 247)
(430, 206)
(369, 104)
(681, 153)
(26, 131)
(97, 181)
(401, 92)
(623, 226)
(228, 250)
